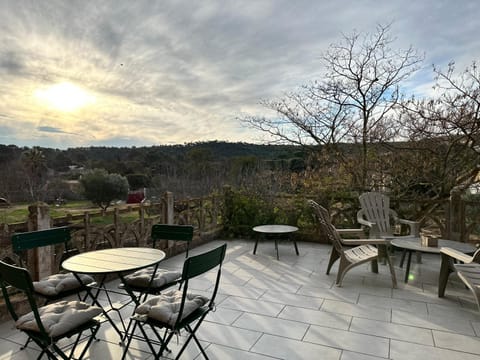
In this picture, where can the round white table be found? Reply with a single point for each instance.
(414, 244)
(276, 232)
(116, 261)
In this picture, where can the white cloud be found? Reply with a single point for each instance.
(181, 71)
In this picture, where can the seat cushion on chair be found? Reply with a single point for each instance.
(142, 277)
(166, 307)
(60, 317)
(58, 283)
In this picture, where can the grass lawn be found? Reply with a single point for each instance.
(19, 212)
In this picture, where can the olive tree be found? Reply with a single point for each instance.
(101, 188)
(352, 102)
(35, 166)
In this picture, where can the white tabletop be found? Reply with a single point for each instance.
(113, 260)
(275, 229)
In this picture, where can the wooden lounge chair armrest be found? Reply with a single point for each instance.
(414, 226)
(365, 222)
(362, 221)
(356, 232)
(458, 255)
(365, 241)
(408, 222)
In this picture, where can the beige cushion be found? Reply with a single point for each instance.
(141, 278)
(60, 317)
(165, 307)
(58, 283)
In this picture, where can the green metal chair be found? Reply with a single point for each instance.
(55, 286)
(50, 323)
(154, 280)
(179, 309)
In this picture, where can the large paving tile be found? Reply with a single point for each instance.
(273, 284)
(362, 311)
(218, 352)
(400, 350)
(392, 331)
(433, 322)
(253, 306)
(469, 344)
(282, 348)
(241, 291)
(349, 355)
(316, 317)
(335, 293)
(292, 299)
(390, 303)
(340, 339)
(274, 326)
(237, 338)
(223, 316)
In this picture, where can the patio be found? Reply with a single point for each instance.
(289, 309)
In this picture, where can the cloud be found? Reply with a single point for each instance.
(179, 71)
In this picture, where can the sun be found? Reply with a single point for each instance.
(64, 96)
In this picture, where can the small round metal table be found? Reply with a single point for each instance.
(275, 232)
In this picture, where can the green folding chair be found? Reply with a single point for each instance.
(179, 309)
(153, 280)
(50, 323)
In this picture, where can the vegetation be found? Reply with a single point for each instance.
(102, 188)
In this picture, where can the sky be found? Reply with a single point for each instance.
(141, 73)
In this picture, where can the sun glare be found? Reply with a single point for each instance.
(64, 97)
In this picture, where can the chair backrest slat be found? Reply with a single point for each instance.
(34, 239)
(199, 264)
(376, 208)
(326, 226)
(172, 232)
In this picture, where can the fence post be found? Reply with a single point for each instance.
(142, 230)
(168, 214)
(86, 226)
(42, 259)
(116, 227)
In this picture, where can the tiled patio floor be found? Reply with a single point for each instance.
(289, 309)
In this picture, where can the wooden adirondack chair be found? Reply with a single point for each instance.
(363, 250)
(449, 259)
(375, 213)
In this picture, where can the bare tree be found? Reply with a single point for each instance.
(353, 100)
(450, 121)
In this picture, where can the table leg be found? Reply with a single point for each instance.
(276, 248)
(101, 286)
(255, 247)
(407, 270)
(404, 252)
(296, 247)
(390, 265)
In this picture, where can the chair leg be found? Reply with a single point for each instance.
(192, 336)
(334, 256)
(342, 270)
(392, 270)
(446, 268)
